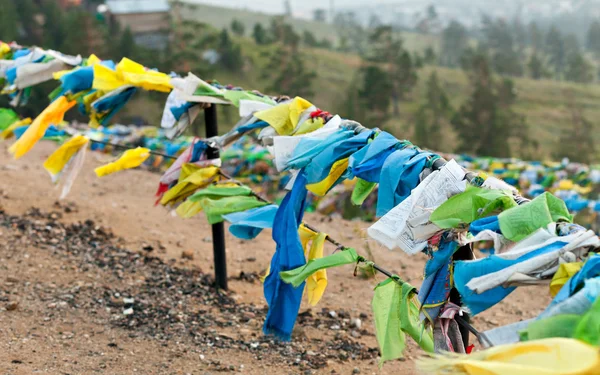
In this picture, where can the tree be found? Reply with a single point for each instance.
(291, 77)
(536, 38)
(500, 42)
(578, 69)
(54, 30)
(351, 33)
(231, 53)
(320, 15)
(27, 10)
(375, 103)
(237, 27)
(455, 41)
(126, 46)
(429, 57)
(428, 122)
(260, 34)
(593, 38)
(555, 49)
(536, 66)
(309, 39)
(287, 7)
(485, 123)
(8, 20)
(387, 49)
(577, 141)
(284, 32)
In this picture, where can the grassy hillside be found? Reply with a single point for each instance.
(546, 104)
(221, 18)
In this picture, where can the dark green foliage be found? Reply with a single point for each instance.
(578, 69)
(374, 95)
(309, 39)
(8, 20)
(238, 28)
(577, 141)
(429, 57)
(536, 38)
(593, 38)
(455, 41)
(536, 66)
(260, 34)
(555, 49)
(231, 53)
(499, 41)
(287, 74)
(486, 122)
(431, 114)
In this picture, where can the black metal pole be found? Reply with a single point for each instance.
(218, 230)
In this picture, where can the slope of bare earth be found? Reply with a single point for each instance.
(98, 284)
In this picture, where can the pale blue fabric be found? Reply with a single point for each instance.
(368, 161)
(464, 271)
(578, 303)
(399, 175)
(308, 148)
(320, 166)
(248, 224)
(283, 299)
(590, 269)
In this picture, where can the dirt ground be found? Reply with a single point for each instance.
(65, 284)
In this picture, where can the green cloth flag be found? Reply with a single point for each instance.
(396, 314)
(216, 208)
(298, 275)
(361, 191)
(521, 221)
(474, 203)
(7, 118)
(216, 191)
(584, 327)
(235, 96)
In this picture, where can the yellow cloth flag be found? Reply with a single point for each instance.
(4, 49)
(8, 132)
(130, 159)
(564, 273)
(337, 170)
(554, 356)
(59, 158)
(285, 116)
(565, 185)
(53, 114)
(128, 72)
(317, 282)
(310, 126)
(191, 179)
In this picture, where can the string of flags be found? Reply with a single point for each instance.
(423, 204)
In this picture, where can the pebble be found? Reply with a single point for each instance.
(356, 370)
(12, 306)
(128, 311)
(187, 254)
(356, 323)
(333, 314)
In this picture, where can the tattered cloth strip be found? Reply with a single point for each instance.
(130, 159)
(284, 299)
(396, 313)
(446, 334)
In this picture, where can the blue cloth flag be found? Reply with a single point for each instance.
(283, 299)
(248, 224)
